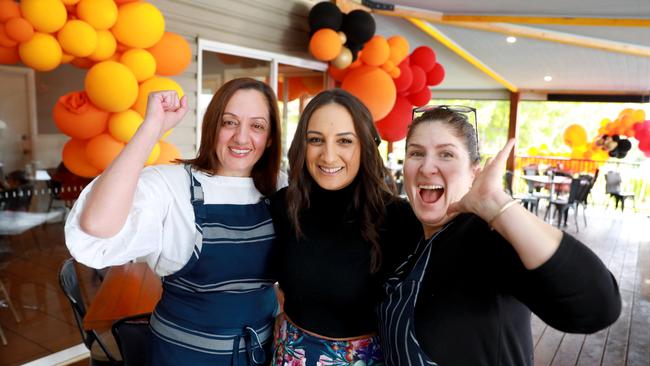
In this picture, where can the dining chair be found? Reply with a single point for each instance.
(613, 188)
(132, 335)
(102, 346)
(528, 200)
(578, 190)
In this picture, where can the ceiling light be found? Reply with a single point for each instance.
(511, 39)
(548, 78)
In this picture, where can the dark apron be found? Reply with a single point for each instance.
(397, 312)
(219, 308)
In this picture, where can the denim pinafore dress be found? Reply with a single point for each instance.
(219, 308)
(397, 312)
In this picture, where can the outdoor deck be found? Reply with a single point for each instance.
(621, 240)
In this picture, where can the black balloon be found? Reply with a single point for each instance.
(354, 48)
(624, 145)
(359, 26)
(613, 153)
(616, 138)
(324, 15)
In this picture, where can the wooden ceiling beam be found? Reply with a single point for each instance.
(573, 21)
(457, 49)
(558, 37)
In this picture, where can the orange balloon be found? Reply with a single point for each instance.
(5, 40)
(575, 136)
(9, 55)
(376, 51)
(168, 153)
(337, 74)
(8, 9)
(399, 49)
(172, 54)
(77, 117)
(82, 63)
(19, 29)
(74, 158)
(102, 149)
(313, 84)
(325, 44)
(374, 87)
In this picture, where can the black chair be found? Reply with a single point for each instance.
(613, 188)
(132, 335)
(578, 191)
(103, 348)
(529, 200)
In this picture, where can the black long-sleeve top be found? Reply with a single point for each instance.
(476, 297)
(325, 275)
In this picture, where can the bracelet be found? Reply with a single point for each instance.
(502, 210)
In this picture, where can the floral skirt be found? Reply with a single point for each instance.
(295, 347)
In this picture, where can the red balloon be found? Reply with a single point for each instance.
(421, 97)
(405, 79)
(424, 57)
(436, 75)
(394, 126)
(419, 79)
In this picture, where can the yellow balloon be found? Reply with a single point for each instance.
(638, 115)
(156, 83)
(533, 151)
(101, 14)
(123, 125)
(139, 25)
(45, 16)
(111, 86)
(141, 63)
(78, 38)
(69, 2)
(65, 59)
(106, 46)
(168, 153)
(42, 52)
(155, 153)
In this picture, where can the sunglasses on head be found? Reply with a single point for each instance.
(462, 109)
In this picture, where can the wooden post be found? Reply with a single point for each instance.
(512, 131)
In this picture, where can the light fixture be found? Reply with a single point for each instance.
(548, 78)
(511, 39)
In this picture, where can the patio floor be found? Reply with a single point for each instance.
(621, 240)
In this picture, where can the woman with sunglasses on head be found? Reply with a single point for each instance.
(203, 226)
(465, 296)
(341, 231)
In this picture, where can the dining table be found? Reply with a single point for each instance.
(129, 289)
(550, 180)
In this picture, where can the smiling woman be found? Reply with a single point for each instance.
(340, 230)
(465, 297)
(218, 301)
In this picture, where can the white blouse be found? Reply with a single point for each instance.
(160, 227)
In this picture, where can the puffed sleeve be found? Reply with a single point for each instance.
(155, 230)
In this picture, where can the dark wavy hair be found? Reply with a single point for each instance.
(371, 192)
(266, 169)
(458, 123)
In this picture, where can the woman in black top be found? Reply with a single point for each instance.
(466, 295)
(340, 231)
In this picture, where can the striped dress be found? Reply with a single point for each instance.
(219, 308)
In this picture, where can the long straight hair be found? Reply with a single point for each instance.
(371, 192)
(266, 169)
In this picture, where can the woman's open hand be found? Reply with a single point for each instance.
(164, 111)
(486, 196)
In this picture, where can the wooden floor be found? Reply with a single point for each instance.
(622, 241)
